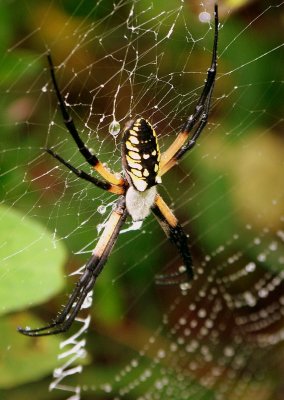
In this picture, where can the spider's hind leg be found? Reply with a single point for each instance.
(177, 236)
(64, 320)
(87, 281)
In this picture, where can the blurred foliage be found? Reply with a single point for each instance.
(35, 260)
(29, 361)
(243, 136)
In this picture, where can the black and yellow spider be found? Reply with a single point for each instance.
(143, 167)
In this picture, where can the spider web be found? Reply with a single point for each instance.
(223, 338)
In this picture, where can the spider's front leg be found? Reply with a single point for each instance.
(177, 236)
(196, 121)
(87, 281)
(109, 187)
(70, 125)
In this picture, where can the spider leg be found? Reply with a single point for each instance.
(182, 143)
(177, 236)
(190, 143)
(69, 123)
(87, 281)
(83, 175)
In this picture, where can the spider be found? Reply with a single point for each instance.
(143, 167)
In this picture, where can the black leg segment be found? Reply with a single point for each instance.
(177, 236)
(68, 121)
(83, 175)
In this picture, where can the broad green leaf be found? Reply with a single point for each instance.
(24, 359)
(31, 262)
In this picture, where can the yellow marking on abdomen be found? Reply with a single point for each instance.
(136, 173)
(133, 164)
(133, 139)
(130, 147)
(134, 156)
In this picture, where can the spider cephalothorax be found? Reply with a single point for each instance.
(143, 166)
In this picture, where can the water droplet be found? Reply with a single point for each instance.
(182, 269)
(261, 257)
(250, 267)
(263, 293)
(114, 128)
(202, 313)
(273, 246)
(161, 353)
(134, 363)
(182, 321)
(184, 286)
(250, 299)
(229, 351)
(100, 227)
(107, 388)
(101, 209)
(204, 17)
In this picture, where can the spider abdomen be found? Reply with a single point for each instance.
(141, 154)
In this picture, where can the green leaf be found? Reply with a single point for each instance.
(24, 359)
(31, 262)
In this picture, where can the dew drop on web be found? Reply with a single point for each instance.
(114, 128)
(204, 17)
(101, 209)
